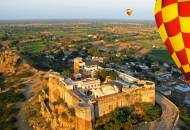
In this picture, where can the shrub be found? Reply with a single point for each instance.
(124, 118)
(185, 116)
(151, 112)
(72, 111)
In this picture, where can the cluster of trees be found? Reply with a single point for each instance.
(36, 53)
(185, 115)
(127, 52)
(8, 110)
(94, 52)
(104, 73)
(125, 118)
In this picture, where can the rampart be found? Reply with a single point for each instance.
(105, 105)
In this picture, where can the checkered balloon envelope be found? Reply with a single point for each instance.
(173, 22)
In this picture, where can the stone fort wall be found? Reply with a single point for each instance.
(107, 104)
(83, 111)
(87, 113)
(58, 89)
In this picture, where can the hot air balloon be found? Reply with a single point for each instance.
(129, 11)
(173, 22)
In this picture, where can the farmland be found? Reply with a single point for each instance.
(42, 39)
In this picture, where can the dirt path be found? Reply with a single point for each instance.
(33, 84)
(168, 119)
(169, 114)
(23, 125)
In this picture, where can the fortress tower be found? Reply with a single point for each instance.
(84, 116)
(55, 90)
(78, 64)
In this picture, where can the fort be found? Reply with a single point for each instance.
(91, 103)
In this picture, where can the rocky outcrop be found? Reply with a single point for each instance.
(9, 61)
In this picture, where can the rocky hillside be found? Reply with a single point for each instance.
(9, 61)
(19, 83)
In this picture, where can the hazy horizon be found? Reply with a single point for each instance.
(75, 9)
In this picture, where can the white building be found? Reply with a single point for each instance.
(106, 89)
(89, 83)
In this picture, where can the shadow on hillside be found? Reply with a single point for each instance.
(41, 63)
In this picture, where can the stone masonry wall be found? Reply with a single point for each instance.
(107, 104)
(58, 90)
(84, 113)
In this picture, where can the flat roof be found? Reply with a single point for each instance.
(187, 102)
(183, 88)
(89, 79)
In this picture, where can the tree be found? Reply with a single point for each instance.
(138, 69)
(104, 73)
(94, 52)
(67, 73)
(169, 69)
(118, 119)
(59, 55)
(176, 74)
(125, 118)
(154, 69)
(6, 37)
(151, 112)
(123, 52)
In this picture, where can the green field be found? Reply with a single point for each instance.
(34, 48)
(160, 55)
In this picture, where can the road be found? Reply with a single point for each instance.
(170, 115)
(31, 82)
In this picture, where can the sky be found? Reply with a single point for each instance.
(75, 9)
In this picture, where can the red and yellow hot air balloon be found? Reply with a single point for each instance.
(129, 11)
(173, 22)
